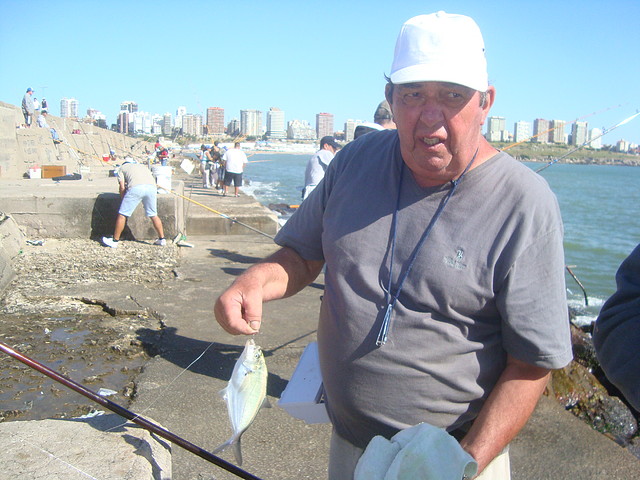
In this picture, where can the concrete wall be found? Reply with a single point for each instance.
(22, 148)
(11, 242)
(90, 216)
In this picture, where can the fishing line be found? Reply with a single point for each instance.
(123, 412)
(73, 467)
(607, 130)
(553, 128)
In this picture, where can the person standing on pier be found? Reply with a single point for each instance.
(444, 298)
(136, 184)
(235, 160)
(28, 107)
(318, 163)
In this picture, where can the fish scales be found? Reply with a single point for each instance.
(245, 394)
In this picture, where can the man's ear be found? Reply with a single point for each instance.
(488, 102)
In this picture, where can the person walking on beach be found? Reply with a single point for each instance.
(318, 163)
(136, 184)
(234, 160)
(444, 299)
(28, 108)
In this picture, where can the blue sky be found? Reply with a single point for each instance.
(555, 60)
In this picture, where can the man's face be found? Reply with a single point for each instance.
(439, 125)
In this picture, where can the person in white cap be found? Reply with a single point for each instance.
(444, 297)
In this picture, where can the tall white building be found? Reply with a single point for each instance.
(180, 112)
(251, 123)
(557, 134)
(496, 129)
(69, 108)
(579, 133)
(192, 124)
(521, 131)
(350, 128)
(275, 123)
(595, 135)
(300, 130)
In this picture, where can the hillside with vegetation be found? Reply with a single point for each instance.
(540, 152)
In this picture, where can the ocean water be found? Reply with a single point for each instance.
(600, 207)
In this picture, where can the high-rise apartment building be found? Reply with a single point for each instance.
(496, 129)
(300, 130)
(69, 108)
(123, 121)
(233, 128)
(131, 107)
(251, 123)
(215, 121)
(595, 135)
(350, 128)
(557, 134)
(275, 123)
(166, 124)
(324, 124)
(540, 131)
(180, 112)
(521, 131)
(579, 132)
(192, 124)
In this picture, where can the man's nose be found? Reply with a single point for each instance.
(431, 114)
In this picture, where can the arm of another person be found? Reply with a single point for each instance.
(239, 309)
(617, 333)
(506, 410)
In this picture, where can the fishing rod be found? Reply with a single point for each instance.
(129, 415)
(626, 120)
(223, 215)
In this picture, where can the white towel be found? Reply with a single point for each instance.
(420, 452)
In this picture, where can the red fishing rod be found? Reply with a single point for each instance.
(129, 415)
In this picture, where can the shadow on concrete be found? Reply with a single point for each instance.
(233, 256)
(217, 361)
(103, 217)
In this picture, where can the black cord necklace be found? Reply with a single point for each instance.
(383, 335)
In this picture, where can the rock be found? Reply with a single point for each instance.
(578, 390)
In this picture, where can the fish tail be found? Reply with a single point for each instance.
(237, 449)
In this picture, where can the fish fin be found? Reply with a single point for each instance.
(223, 393)
(223, 447)
(237, 451)
(265, 403)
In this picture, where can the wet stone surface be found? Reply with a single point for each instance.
(71, 335)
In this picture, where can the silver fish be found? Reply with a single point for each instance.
(245, 394)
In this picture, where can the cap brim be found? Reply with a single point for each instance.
(425, 73)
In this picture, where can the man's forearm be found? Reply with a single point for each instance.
(506, 411)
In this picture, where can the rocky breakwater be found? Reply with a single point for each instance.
(583, 389)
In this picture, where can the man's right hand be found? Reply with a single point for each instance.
(239, 309)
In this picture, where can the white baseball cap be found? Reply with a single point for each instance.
(440, 47)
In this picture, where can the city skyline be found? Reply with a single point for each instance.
(559, 61)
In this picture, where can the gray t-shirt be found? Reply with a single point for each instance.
(488, 281)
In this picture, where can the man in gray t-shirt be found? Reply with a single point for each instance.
(444, 292)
